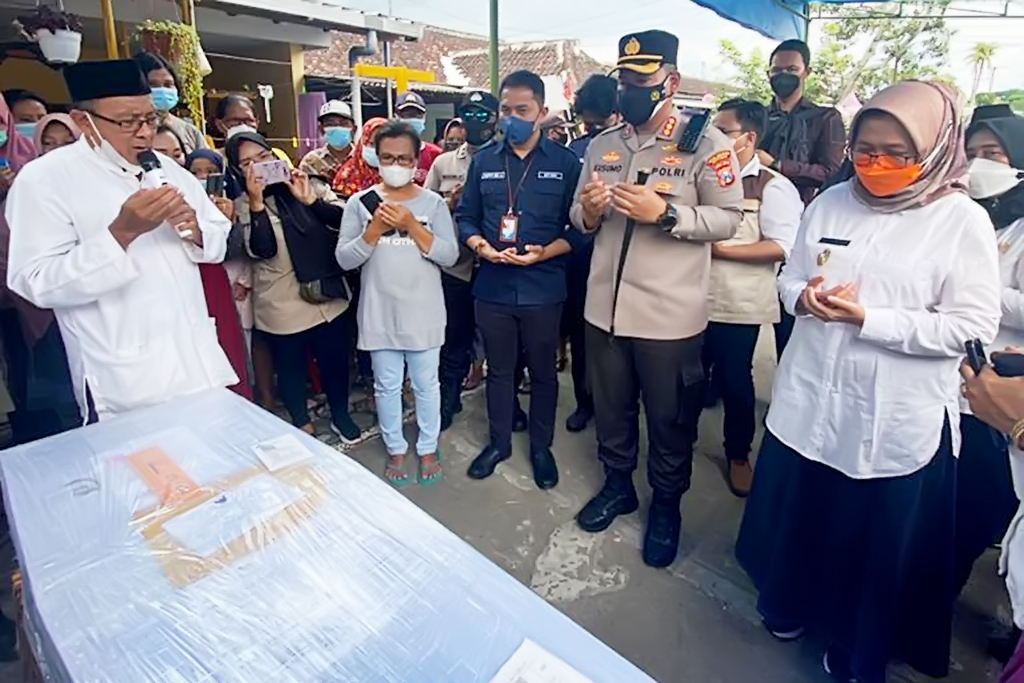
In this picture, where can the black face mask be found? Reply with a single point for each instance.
(594, 128)
(784, 84)
(637, 103)
(451, 145)
(479, 133)
(1006, 208)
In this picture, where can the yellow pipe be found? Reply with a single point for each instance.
(109, 29)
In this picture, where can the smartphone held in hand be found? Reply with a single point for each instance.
(215, 184)
(271, 172)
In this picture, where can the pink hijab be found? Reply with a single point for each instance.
(18, 151)
(930, 113)
(44, 122)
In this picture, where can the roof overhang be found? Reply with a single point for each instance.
(298, 22)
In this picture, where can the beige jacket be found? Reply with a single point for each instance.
(745, 293)
(448, 174)
(663, 293)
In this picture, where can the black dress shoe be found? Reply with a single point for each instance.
(579, 420)
(545, 472)
(616, 497)
(664, 522)
(483, 465)
(520, 423)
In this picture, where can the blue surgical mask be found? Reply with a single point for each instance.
(516, 130)
(370, 156)
(338, 137)
(164, 99)
(26, 129)
(418, 125)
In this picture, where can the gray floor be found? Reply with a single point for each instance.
(692, 623)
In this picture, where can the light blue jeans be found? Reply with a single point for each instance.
(388, 375)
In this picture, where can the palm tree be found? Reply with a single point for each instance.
(981, 58)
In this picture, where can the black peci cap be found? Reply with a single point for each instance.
(479, 99)
(109, 78)
(647, 51)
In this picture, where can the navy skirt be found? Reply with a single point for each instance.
(867, 565)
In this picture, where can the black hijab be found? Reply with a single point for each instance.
(294, 214)
(1008, 207)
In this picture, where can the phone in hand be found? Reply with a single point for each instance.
(372, 201)
(215, 184)
(976, 355)
(271, 172)
(1008, 364)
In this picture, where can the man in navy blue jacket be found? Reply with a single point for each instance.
(514, 214)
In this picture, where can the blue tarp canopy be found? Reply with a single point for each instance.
(779, 19)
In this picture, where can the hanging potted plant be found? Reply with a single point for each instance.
(179, 44)
(58, 33)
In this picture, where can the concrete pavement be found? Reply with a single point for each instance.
(692, 623)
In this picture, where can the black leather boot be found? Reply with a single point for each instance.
(664, 521)
(616, 497)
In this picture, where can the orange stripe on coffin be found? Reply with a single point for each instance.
(164, 477)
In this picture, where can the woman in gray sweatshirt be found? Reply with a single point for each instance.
(401, 247)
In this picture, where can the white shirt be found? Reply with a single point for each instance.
(1011, 275)
(134, 321)
(870, 402)
(781, 208)
(1011, 562)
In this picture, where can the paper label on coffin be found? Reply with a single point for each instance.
(281, 452)
(244, 513)
(531, 663)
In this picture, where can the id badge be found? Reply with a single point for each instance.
(509, 228)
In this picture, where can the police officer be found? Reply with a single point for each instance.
(657, 190)
(514, 213)
(479, 115)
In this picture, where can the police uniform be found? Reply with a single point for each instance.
(448, 174)
(646, 307)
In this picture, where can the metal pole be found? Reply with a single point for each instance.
(109, 29)
(494, 47)
(387, 81)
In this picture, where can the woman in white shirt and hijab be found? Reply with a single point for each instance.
(985, 499)
(849, 528)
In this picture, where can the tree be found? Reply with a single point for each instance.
(861, 53)
(981, 58)
(751, 80)
(1015, 98)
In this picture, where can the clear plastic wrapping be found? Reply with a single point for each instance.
(206, 541)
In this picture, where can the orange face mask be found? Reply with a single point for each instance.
(884, 176)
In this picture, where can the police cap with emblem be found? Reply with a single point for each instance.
(647, 51)
(109, 78)
(478, 99)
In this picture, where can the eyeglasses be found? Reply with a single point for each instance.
(262, 157)
(400, 159)
(734, 131)
(477, 115)
(132, 125)
(893, 160)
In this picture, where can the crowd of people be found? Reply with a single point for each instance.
(657, 242)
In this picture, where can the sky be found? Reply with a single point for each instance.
(602, 22)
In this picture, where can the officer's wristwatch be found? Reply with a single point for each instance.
(668, 220)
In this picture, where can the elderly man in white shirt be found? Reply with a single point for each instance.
(742, 294)
(849, 528)
(116, 259)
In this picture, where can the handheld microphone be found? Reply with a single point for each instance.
(152, 172)
(153, 177)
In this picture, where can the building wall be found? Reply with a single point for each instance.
(39, 78)
(241, 75)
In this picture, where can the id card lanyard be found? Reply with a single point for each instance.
(508, 232)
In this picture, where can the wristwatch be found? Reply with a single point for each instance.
(669, 219)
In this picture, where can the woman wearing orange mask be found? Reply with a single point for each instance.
(848, 532)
